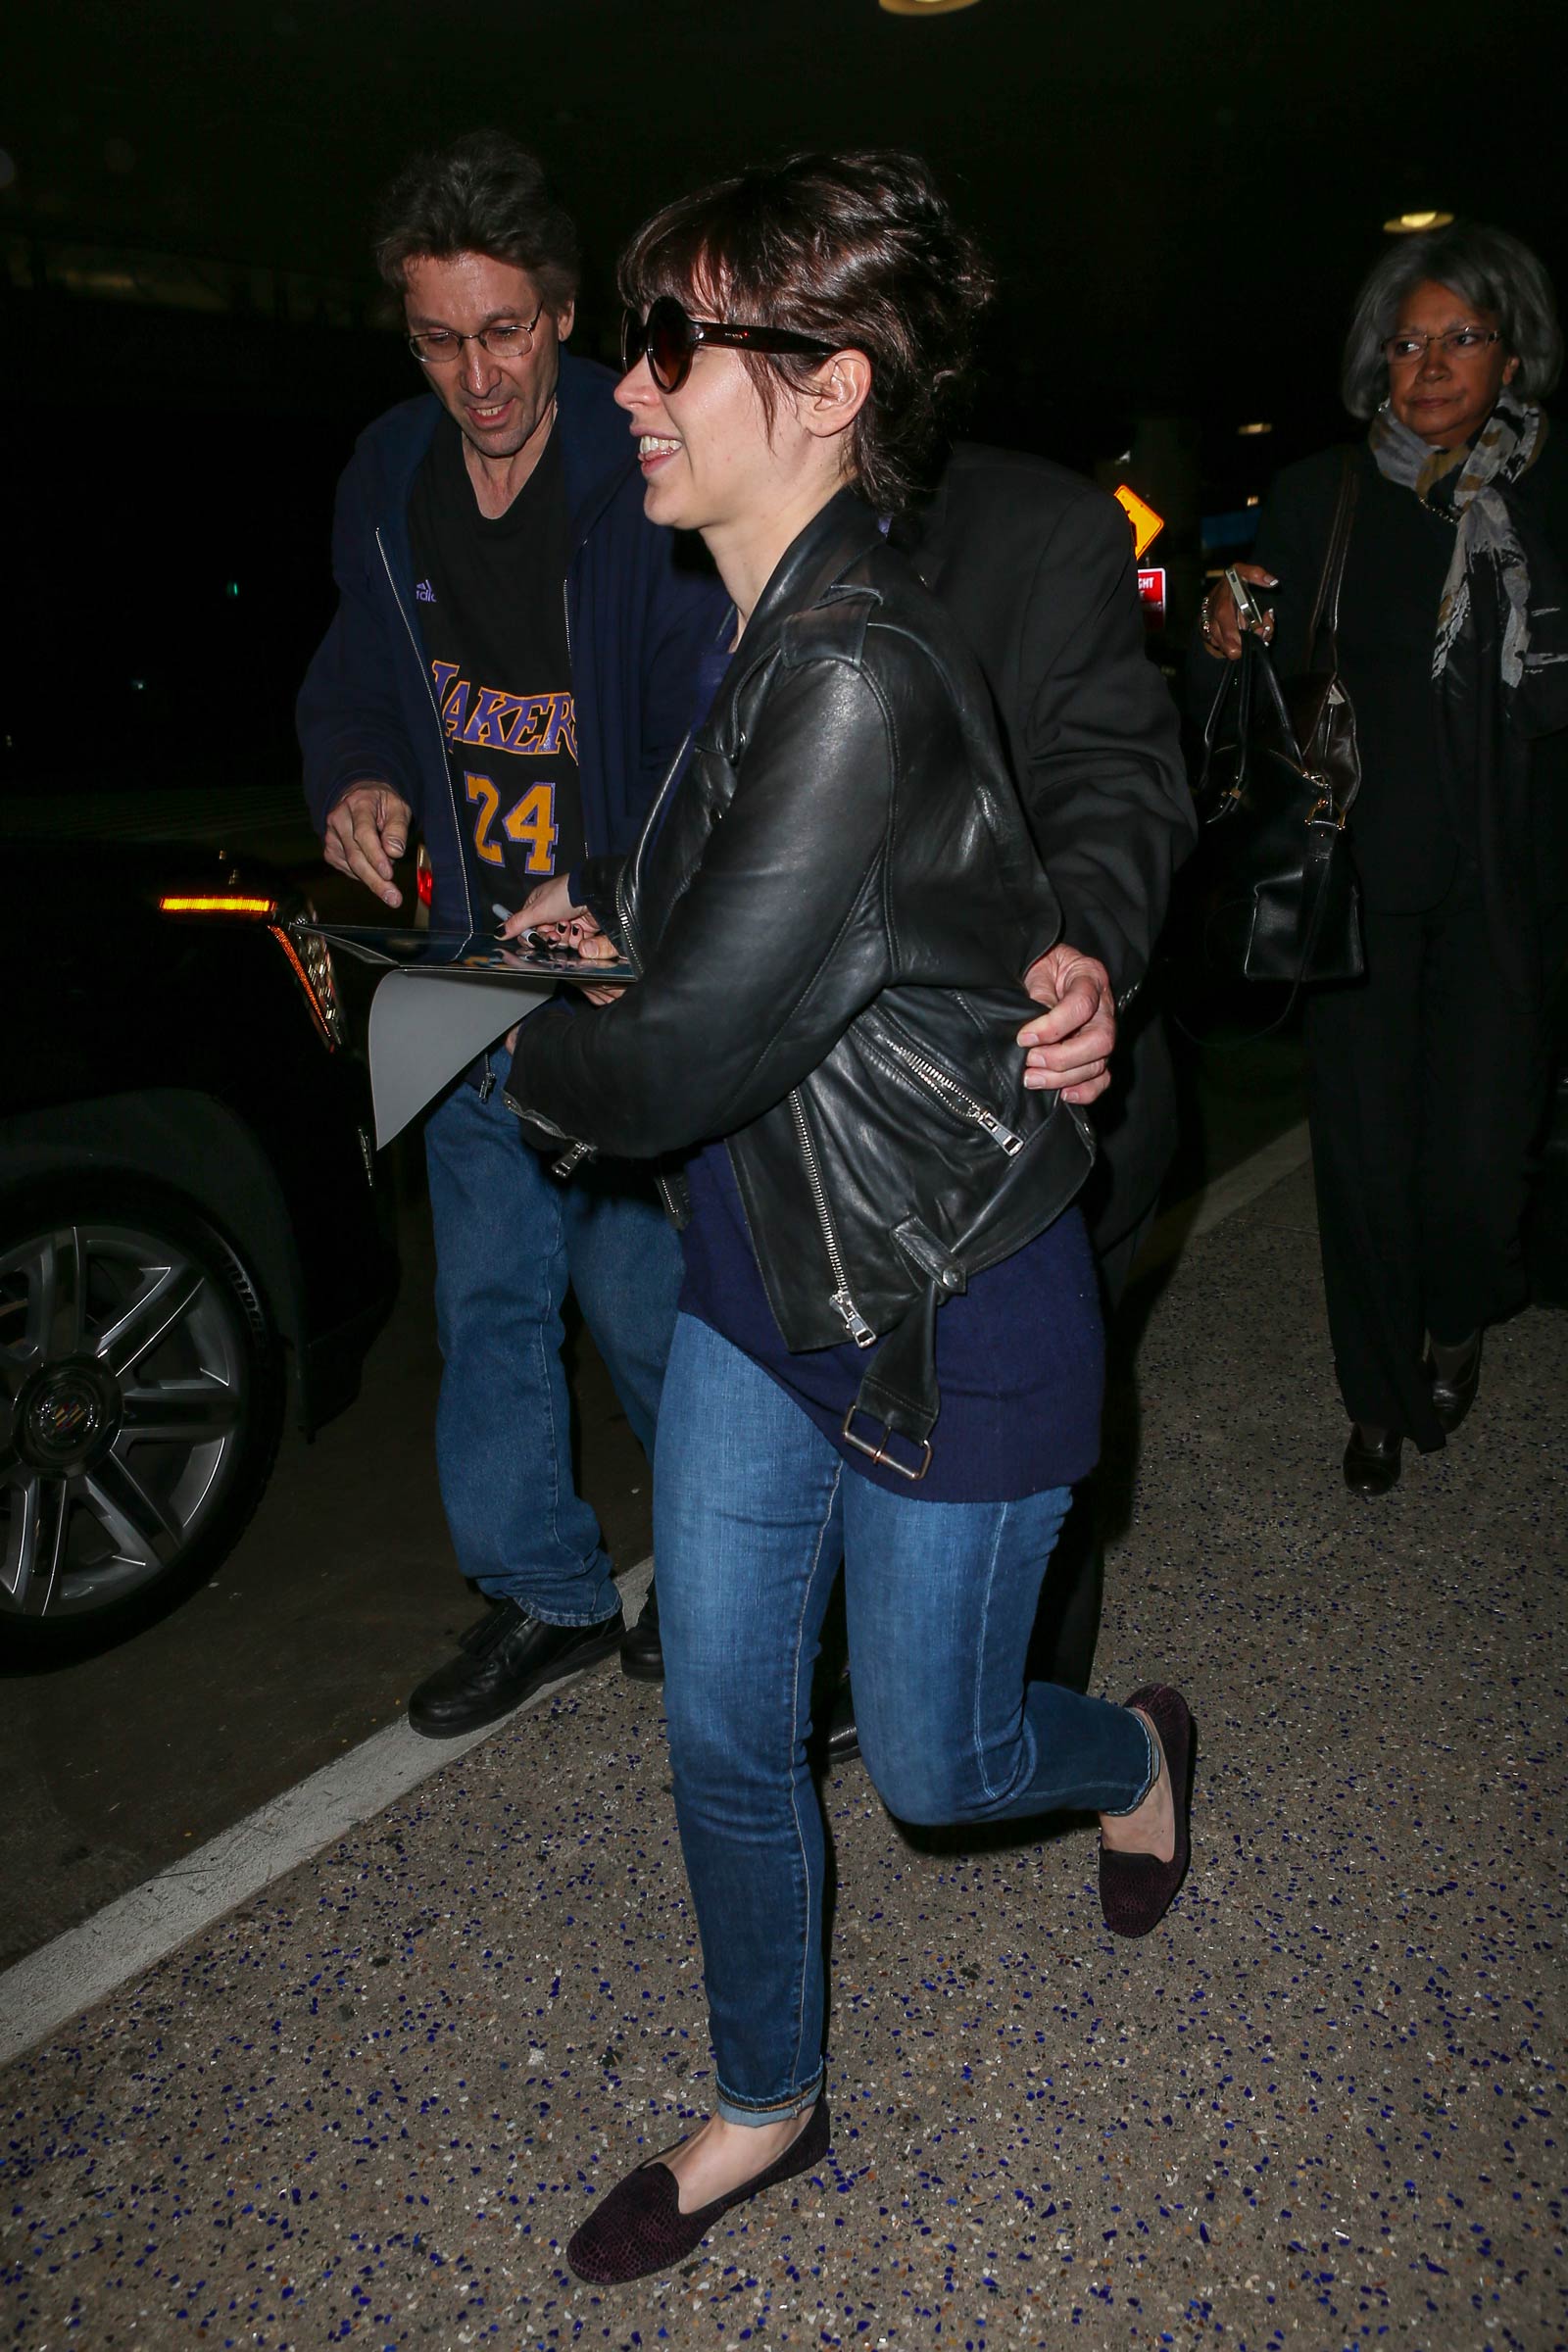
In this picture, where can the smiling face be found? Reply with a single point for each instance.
(714, 459)
(710, 455)
(499, 404)
(1447, 396)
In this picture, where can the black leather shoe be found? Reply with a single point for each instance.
(843, 1739)
(642, 1647)
(1454, 1392)
(505, 1658)
(1372, 1461)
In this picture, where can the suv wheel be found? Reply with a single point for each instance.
(140, 1404)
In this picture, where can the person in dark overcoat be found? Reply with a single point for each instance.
(1427, 1077)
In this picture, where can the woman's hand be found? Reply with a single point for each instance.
(550, 908)
(1223, 624)
(552, 911)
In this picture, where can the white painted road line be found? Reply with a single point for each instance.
(88, 1963)
(1188, 1220)
(124, 1940)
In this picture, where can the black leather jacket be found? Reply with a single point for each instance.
(832, 909)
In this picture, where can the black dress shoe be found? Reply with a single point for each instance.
(1372, 1459)
(843, 1739)
(642, 1647)
(505, 1658)
(1454, 1392)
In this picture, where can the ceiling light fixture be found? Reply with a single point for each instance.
(925, 8)
(1407, 224)
(1248, 433)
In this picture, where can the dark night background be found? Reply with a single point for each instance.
(1180, 202)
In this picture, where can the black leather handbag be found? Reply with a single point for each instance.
(1280, 773)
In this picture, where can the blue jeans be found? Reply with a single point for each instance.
(508, 1237)
(753, 1511)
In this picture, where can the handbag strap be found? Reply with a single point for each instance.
(1326, 603)
(1237, 674)
(1255, 676)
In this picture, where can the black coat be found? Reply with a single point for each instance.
(1035, 566)
(1413, 821)
(833, 910)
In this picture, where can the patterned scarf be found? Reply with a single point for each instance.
(1499, 561)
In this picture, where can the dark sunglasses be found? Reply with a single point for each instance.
(670, 341)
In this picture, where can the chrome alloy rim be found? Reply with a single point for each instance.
(123, 1382)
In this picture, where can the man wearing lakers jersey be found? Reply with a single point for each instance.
(512, 665)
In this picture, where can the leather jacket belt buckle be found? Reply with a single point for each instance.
(880, 1453)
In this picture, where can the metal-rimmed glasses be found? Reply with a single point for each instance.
(670, 339)
(440, 346)
(1459, 343)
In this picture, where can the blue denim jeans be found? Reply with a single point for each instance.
(753, 1511)
(509, 1239)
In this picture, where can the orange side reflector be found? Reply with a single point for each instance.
(304, 978)
(226, 905)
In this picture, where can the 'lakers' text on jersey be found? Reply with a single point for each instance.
(492, 612)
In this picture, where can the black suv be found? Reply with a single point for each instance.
(191, 1237)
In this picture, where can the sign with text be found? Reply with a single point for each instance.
(1151, 594)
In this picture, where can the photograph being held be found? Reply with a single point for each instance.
(889, 1352)
(1427, 1078)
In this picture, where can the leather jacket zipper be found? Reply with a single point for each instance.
(860, 1330)
(441, 733)
(631, 866)
(947, 1090)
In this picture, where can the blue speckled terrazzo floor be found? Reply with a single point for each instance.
(1321, 2107)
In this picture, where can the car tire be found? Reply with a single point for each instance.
(141, 1399)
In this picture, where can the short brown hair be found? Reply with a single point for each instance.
(859, 250)
(485, 195)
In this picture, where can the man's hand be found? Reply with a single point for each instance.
(365, 832)
(1070, 1044)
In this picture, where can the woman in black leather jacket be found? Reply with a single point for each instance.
(831, 911)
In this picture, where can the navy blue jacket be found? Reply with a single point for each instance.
(643, 606)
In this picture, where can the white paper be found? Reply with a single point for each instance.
(422, 1036)
(442, 1001)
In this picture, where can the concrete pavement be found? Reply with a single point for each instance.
(1320, 2106)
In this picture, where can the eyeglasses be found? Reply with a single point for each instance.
(439, 346)
(1459, 343)
(671, 341)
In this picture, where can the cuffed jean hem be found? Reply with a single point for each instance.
(494, 1590)
(1120, 1812)
(777, 2111)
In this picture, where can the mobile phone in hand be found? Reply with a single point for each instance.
(1249, 612)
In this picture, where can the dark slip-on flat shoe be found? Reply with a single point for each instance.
(1136, 1890)
(639, 2228)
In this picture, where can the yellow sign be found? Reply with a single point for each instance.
(1147, 524)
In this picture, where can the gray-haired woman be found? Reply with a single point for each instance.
(1425, 1079)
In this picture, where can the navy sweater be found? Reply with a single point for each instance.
(1021, 1354)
